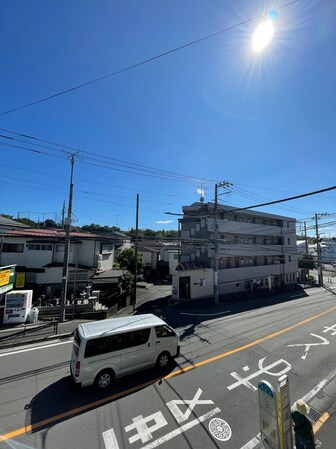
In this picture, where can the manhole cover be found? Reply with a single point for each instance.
(220, 429)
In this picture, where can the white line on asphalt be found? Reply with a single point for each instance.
(110, 439)
(205, 314)
(252, 443)
(35, 348)
(255, 441)
(181, 429)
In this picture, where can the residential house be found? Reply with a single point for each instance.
(39, 256)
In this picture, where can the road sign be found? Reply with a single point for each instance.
(284, 414)
(268, 413)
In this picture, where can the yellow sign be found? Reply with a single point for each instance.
(20, 280)
(4, 277)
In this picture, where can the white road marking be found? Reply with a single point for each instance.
(181, 429)
(309, 345)
(252, 443)
(266, 370)
(205, 314)
(110, 439)
(145, 432)
(177, 412)
(35, 348)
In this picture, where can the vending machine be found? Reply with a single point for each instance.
(18, 304)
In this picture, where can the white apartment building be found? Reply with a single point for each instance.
(255, 250)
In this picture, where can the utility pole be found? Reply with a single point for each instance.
(136, 251)
(216, 288)
(305, 234)
(318, 251)
(67, 226)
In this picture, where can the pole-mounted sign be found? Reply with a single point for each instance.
(268, 413)
(284, 414)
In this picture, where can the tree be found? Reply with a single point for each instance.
(306, 261)
(126, 260)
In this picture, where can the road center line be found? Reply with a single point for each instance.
(114, 397)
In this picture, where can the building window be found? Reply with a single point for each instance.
(107, 248)
(237, 262)
(242, 262)
(255, 261)
(254, 240)
(289, 258)
(39, 247)
(198, 252)
(228, 262)
(12, 247)
(265, 260)
(235, 217)
(288, 240)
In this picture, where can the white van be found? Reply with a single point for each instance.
(103, 350)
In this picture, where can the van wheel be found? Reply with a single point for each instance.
(163, 360)
(104, 379)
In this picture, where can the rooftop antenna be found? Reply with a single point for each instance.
(201, 191)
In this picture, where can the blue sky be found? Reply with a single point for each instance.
(210, 112)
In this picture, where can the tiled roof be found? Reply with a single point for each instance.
(57, 233)
(11, 223)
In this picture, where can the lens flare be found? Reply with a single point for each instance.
(263, 35)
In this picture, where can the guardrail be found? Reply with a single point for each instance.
(28, 332)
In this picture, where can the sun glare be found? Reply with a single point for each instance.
(263, 35)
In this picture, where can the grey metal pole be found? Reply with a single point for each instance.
(216, 248)
(136, 251)
(67, 226)
(318, 251)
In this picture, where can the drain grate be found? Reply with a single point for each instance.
(314, 414)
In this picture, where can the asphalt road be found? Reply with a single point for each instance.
(209, 399)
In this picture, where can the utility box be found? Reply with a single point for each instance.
(18, 304)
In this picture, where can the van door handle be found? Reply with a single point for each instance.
(158, 341)
(148, 344)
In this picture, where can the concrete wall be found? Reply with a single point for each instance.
(201, 283)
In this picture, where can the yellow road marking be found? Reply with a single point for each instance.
(113, 397)
(319, 423)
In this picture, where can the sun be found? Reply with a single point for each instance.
(263, 35)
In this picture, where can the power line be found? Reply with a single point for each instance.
(286, 199)
(133, 168)
(138, 64)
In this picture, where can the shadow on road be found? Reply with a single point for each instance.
(63, 399)
(193, 314)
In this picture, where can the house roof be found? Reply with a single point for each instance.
(107, 274)
(60, 234)
(4, 222)
(189, 266)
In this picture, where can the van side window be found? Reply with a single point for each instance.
(164, 331)
(116, 342)
(135, 338)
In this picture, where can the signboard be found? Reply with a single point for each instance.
(268, 413)
(7, 276)
(284, 414)
(20, 280)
